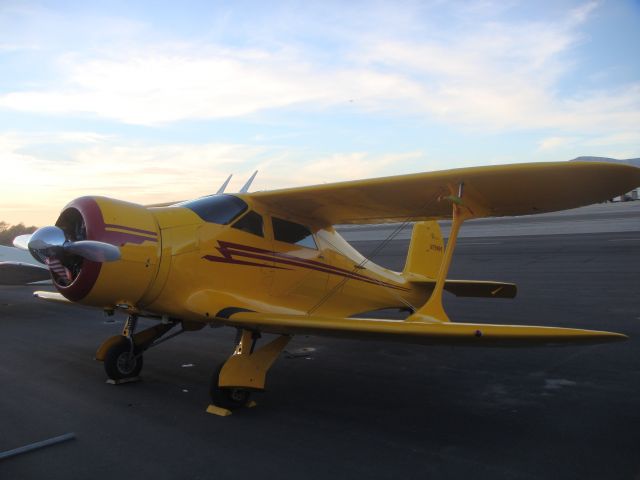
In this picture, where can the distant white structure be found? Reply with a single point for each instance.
(632, 195)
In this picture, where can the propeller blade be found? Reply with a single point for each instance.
(50, 242)
(94, 251)
(22, 241)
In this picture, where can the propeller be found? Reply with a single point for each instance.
(51, 242)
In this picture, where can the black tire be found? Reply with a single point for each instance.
(120, 363)
(229, 398)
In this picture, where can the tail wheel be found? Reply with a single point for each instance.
(120, 362)
(227, 397)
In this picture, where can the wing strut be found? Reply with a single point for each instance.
(433, 309)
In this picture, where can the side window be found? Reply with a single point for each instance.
(295, 233)
(251, 223)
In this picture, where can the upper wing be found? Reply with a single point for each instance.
(418, 332)
(503, 190)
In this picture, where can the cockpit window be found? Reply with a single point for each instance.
(221, 209)
(285, 231)
(251, 223)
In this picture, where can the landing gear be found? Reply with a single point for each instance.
(233, 381)
(229, 398)
(122, 360)
(245, 371)
(122, 354)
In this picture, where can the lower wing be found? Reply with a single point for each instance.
(18, 273)
(470, 334)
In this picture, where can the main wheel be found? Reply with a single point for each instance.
(120, 363)
(227, 397)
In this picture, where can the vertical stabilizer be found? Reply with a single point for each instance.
(425, 250)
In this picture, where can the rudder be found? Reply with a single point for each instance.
(425, 250)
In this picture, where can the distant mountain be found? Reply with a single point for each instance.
(631, 161)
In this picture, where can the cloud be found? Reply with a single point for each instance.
(289, 170)
(581, 13)
(619, 145)
(495, 75)
(552, 143)
(504, 76)
(618, 138)
(35, 188)
(155, 87)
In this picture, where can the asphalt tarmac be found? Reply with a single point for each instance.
(351, 409)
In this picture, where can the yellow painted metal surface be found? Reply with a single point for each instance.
(106, 345)
(502, 190)
(127, 280)
(433, 308)
(248, 369)
(421, 332)
(425, 250)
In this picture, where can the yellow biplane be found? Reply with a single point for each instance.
(272, 262)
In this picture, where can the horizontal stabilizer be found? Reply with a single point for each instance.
(479, 288)
(18, 273)
(468, 334)
(472, 288)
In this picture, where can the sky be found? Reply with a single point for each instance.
(155, 101)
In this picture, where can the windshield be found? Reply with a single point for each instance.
(221, 209)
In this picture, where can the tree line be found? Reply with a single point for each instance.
(9, 232)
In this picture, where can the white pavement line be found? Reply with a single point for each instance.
(624, 240)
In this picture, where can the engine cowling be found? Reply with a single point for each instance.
(130, 227)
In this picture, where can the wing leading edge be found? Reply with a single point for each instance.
(18, 273)
(468, 334)
(503, 190)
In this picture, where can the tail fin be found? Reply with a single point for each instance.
(425, 250)
(423, 262)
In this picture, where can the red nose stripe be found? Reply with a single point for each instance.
(86, 279)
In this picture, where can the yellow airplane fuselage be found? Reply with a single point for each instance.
(177, 265)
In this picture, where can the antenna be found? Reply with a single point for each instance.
(224, 185)
(245, 189)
